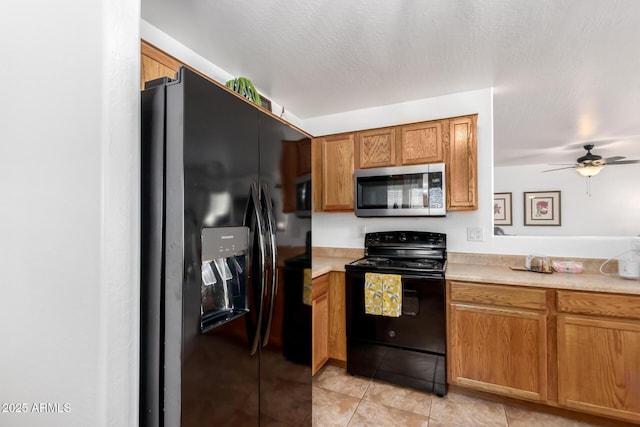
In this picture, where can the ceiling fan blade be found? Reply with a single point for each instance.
(623, 162)
(557, 169)
(608, 160)
(562, 164)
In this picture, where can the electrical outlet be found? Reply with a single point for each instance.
(474, 234)
(362, 230)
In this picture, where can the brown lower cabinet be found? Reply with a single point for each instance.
(497, 339)
(599, 354)
(319, 322)
(329, 321)
(337, 319)
(578, 350)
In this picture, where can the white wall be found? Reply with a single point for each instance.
(69, 220)
(343, 229)
(611, 210)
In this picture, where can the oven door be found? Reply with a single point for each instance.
(421, 325)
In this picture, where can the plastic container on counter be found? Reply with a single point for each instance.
(567, 266)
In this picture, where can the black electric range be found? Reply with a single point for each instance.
(408, 350)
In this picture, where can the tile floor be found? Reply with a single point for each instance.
(340, 399)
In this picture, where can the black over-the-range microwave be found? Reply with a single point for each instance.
(401, 191)
(303, 196)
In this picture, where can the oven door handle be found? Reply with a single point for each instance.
(420, 277)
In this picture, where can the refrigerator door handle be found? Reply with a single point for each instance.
(254, 201)
(271, 229)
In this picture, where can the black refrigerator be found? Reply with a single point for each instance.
(215, 230)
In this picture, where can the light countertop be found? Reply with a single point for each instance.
(323, 264)
(501, 274)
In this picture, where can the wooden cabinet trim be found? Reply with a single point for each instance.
(319, 286)
(499, 389)
(501, 311)
(552, 348)
(337, 317)
(500, 295)
(618, 325)
(320, 327)
(316, 174)
(149, 50)
(598, 304)
(603, 410)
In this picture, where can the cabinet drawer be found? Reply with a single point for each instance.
(505, 296)
(319, 286)
(590, 303)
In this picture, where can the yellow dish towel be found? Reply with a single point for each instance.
(383, 294)
(306, 287)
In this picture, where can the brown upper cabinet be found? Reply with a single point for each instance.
(332, 172)
(421, 143)
(451, 141)
(295, 162)
(461, 147)
(414, 144)
(376, 148)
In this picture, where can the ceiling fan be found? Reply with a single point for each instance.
(591, 164)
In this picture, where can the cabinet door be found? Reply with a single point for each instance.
(288, 174)
(337, 172)
(376, 148)
(303, 149)
(337, 317)
(599, 366)
(462, 164)
(421, 143)
(320, 322)
(498, 350)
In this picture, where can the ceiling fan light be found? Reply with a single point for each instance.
(589, 171)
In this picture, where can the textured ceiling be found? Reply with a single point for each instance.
(564, 72)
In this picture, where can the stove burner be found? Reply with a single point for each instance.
(372, 261)
(426, 264)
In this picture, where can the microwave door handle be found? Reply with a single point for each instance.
(425, 190)
(271, 229)
(254, 202)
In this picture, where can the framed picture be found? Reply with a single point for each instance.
(502, 209)
(542, 208)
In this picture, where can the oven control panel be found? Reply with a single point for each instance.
(421, 239)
